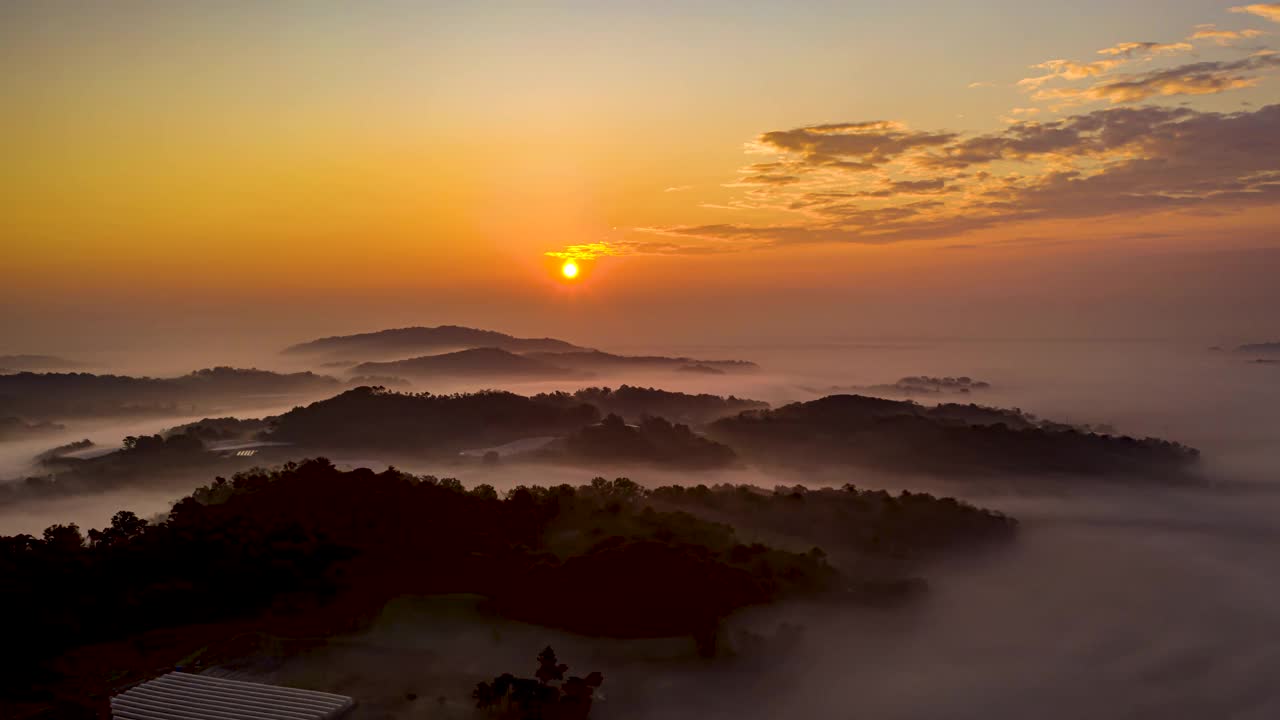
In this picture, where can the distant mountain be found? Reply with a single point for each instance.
(60, 395)
(18, 363)
(1266, 347)
(912, 386)
(12, 428)
(476, 362)
(951, 439)
(416, 340)
(603, 361)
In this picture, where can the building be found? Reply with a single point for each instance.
(185, 696)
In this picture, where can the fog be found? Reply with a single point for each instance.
(1113, 603)
(1117, 600)
(17, 459)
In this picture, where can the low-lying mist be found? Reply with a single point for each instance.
(1113, 603)
(1117, 599)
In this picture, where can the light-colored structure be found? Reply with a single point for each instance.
(183, 696)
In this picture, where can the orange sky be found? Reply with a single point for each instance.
(423, 161)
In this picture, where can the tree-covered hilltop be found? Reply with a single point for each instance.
(66, 395)
(1262, 347)
(912, 386)
(21, 363)
(141, 460)
(951, 439)
(636, 403)
(608, 559)
(906, 527)
(12, 428)
(653, 441)
(376, 419)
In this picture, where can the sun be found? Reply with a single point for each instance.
(569, 269)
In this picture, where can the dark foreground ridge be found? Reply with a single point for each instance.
(605, 558)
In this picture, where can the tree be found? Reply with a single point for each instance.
(548, 668)
(513, 697)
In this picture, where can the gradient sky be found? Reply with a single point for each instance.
(719, 169)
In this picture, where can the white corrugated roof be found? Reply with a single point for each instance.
(183, 696)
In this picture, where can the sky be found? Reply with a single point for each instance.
(189, 171)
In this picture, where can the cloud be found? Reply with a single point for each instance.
(1115, 162)
(1270, 11)
(1201, 78)
(846, 146)
(1110, 84)
(588, 251)
(1223, 37)
(1069, 70)
(1131, 49)
(883, 181)
(678, 188)
(622, 248)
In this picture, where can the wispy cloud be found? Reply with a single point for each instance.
(1223, 37)
(1113, 162)
(590, 251)
(1202, 78)
(1270, 11)
(618, 248)
(1069, 70)
(1133, 49)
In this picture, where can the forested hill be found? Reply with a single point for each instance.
(64, 395)
(949, 438)
(607, 559)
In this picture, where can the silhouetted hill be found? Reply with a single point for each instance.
(17, 363)
(474, 363)
(59, 395)
(637, 403)
(375, 419)
(913, 386)
(908, 526)
(221, 430)
(700, 369)
(1266, 347)
(147, 460)
(54, 453)
(401, 341)
(951, 439)
(654, 441)
(596, 360)
(12, 428)
(329, 549)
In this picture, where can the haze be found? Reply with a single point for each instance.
(237, 237)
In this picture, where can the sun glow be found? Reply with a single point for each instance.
(569, 269)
